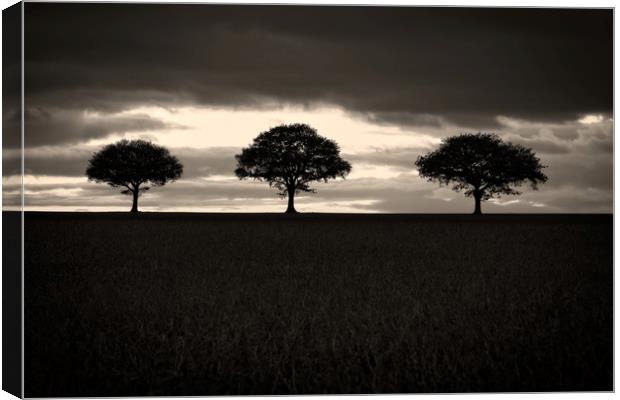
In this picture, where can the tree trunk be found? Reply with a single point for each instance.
(291, 201)
(134, 207)
(478, 199)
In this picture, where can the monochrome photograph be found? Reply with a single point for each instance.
(306, 199)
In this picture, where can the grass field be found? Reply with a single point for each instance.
(199, 304)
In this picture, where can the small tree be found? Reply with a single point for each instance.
(133, 165)
(289, 157)
(482, 165)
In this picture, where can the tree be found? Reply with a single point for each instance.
(133, 165)
(483, 165)
(289, 157)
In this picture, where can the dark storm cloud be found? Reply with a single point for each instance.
(60, 126)
(402, 65)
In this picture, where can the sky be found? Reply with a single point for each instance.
(386, 83)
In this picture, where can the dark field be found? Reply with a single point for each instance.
(205, 304)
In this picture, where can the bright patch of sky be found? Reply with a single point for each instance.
(221, 127)
(591, 119)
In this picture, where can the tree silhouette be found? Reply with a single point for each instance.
(483, 165)
(289, 157)
(133, 165)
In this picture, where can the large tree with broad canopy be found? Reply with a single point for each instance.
(135, 166)
(289, 158)
(483, 165)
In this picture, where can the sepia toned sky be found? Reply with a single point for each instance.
(385, 83)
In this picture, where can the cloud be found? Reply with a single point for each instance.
(543, 146)
(580, 172)
(436, 122)
(406, 65)
(70, 126)
(59, 126)
(207, 162)
(400, 157)
(574, 137)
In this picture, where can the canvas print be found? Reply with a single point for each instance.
(306, 199)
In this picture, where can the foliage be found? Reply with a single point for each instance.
(481, 164)
(135, 165)
(290, 157)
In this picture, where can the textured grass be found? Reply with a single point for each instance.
(173, 304)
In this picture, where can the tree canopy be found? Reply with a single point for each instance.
(289, 158)
(483, 165)
(135, 165)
